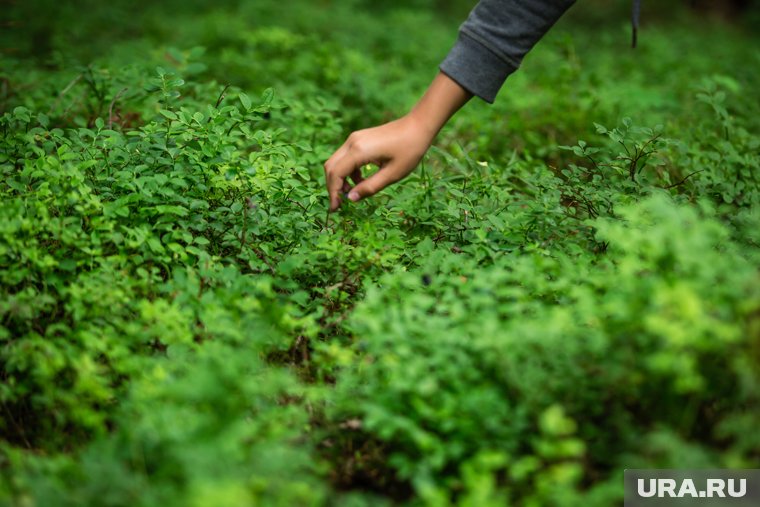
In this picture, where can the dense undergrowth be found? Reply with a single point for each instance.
(566, 287)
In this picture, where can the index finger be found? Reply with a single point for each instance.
(337, 169)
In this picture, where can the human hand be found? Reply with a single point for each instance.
(395, 148)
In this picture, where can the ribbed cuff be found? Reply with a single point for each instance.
(476, 68)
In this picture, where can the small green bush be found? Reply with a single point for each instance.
(567, 286)
(544, 369)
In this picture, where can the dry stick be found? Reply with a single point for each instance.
(110, 108)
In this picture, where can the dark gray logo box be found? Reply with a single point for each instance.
(699, 488)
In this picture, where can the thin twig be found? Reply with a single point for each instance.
(64, 92)
(245, 227)
(306, 210)
(221, 96)
(19, 429)
(347, 277)
(683, 180)
(263, 259)
(219, 101)
(110, 108)
(326, 223)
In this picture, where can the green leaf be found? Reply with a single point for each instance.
(155, 245)
(172, 209)
(267, 96)
(246, 101)
(168, 114)
(22, 113)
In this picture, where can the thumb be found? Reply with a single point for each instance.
(375, 183)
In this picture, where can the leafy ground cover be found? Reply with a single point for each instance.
(566, 287)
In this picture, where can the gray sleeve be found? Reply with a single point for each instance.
(494, 40)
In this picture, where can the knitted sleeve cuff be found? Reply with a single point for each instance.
(476, 68)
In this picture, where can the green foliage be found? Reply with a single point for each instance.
(543, 303)
(453, 360)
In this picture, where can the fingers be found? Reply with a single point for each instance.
(359, 149)
(356, 177)
(378, 181)
(339, 153)
(346, 161)
(334, 181)
(334, 186)
(336, 172)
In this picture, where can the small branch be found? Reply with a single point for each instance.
(348, 276)
(229, 131)
(301, 345)
(221, 96)
(110, 108)
(248, 205)
(650, 141)
(306, 210)
(632, 168)
(596, 166)
(201, 287)
(219, 101)
(19, 428)
(64, 92)
(625, 147)
(326, 223)
(263, 259)
(683, 180)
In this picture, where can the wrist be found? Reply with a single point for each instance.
(422, 125)
(443, 98)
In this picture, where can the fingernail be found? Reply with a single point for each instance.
(353, 196)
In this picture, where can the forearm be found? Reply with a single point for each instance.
(491, 43)
(442, 99)
(494, 40)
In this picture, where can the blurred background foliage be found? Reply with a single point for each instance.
(566, 287)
